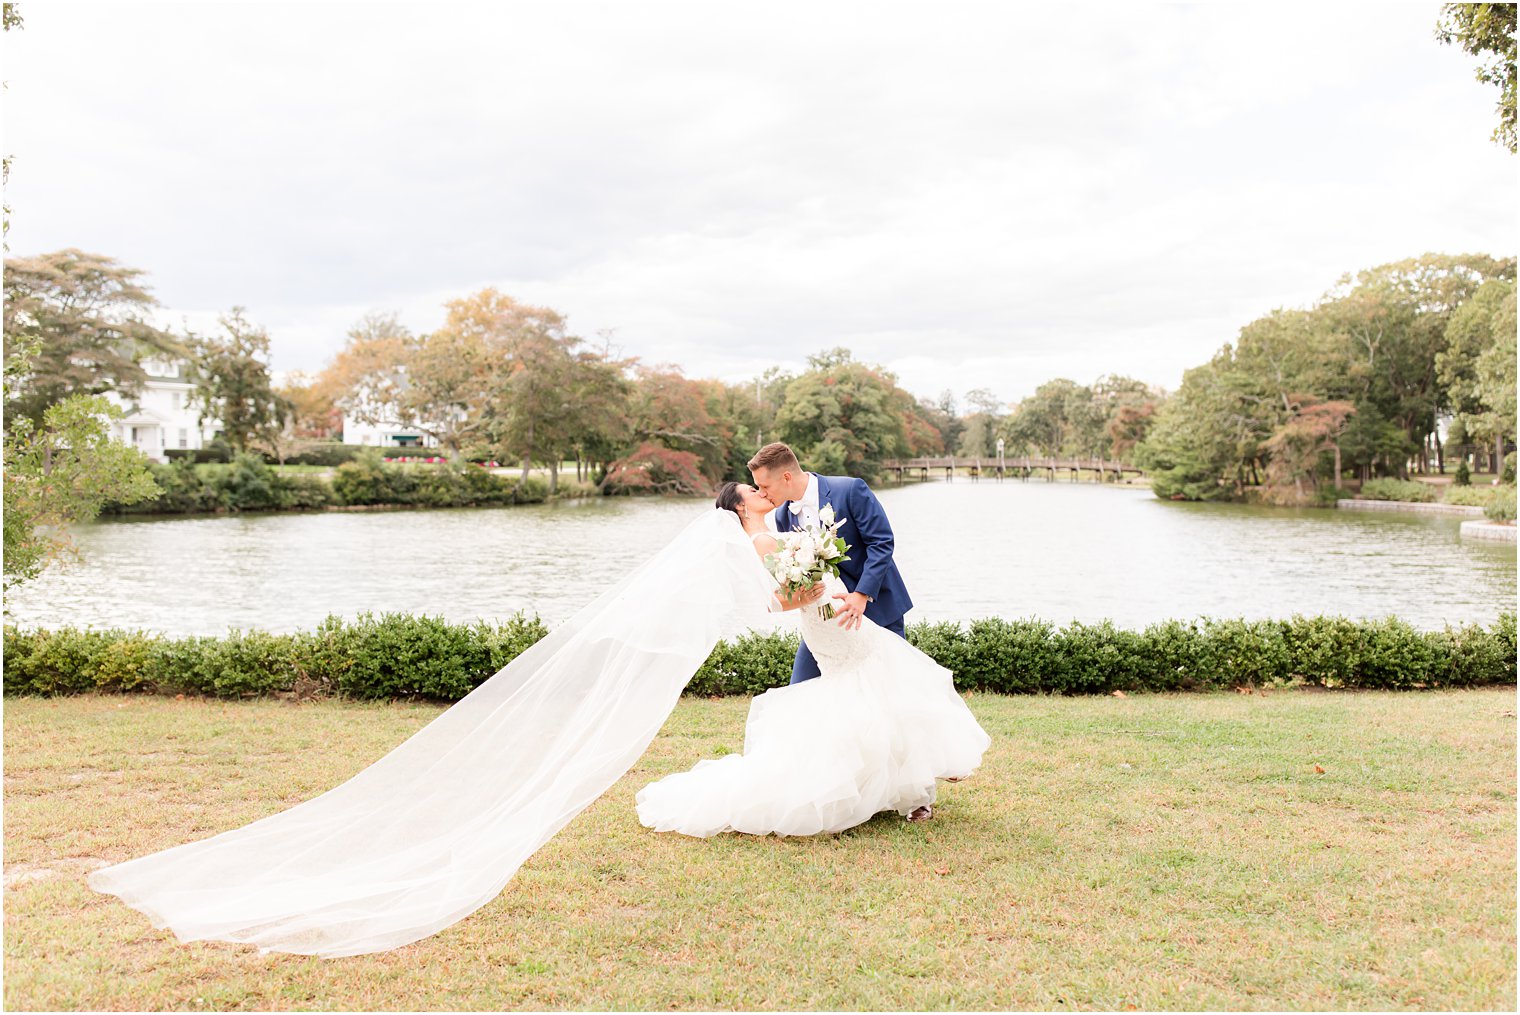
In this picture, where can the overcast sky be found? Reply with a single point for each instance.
(974, 195)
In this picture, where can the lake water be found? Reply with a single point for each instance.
(1058, 551)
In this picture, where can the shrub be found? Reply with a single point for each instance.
(1501, 508)
(217, 451)
(1463, 476)
(325, 453)
(422, 454)
(1246, 653)
(361, 481)
(304, 492)
(248, 663)
(752, 663)
(181, 666)
(126, 663)
(571, 488)
(1325, 651)
(248, 483)
(402, 656)
(52, 662)
(529, 491)
(1473, 656)
(1396, 656)
(1398, 489)
(1507, 474)
(1469, 496)
(1099, 658)
(1174, 650)
(397, 655)
(1020, 656)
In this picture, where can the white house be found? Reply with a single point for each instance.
(163, 415)
(385, 435)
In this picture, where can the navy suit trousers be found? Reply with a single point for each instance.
(805, 667)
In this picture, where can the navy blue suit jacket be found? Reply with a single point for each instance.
(870, 568)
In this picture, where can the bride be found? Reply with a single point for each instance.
(435, 829)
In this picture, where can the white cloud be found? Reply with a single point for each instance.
(975, 195)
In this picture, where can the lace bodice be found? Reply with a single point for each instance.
(837, 649)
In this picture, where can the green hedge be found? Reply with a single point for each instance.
(403, 656)
(391, 656)
(1398, 489)
(248, 483)
(1469, 496)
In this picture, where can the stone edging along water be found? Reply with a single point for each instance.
(1498, 532)
(1414, 507)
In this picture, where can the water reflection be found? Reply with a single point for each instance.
(1058, 551)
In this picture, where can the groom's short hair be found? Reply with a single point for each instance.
(774, 456)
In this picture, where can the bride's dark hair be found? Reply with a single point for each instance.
(730, 499)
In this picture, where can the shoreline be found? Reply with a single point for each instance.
(1491, 531)
(1410, 507)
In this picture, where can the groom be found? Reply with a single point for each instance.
(875, 587)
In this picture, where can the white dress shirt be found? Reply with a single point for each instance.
(808, 516)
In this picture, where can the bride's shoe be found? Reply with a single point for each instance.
(924, 813)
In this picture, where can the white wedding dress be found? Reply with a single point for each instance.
(435, 829)
(871, 733)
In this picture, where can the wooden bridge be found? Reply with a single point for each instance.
(1022, 467)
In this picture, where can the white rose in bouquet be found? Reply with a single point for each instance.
(804, 557)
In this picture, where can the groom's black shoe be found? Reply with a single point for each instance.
(924, 813)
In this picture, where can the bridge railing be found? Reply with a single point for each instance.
(1009, 462)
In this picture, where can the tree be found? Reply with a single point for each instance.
(922, 433)
(1487, 31)
(654, 468)
(1470, 331)
(12, 19)
(1128, 426)
(59, 471)
(1128, 408)
(1297, 445)
(843, 416)
(941, 413)
(1477, 364)
(599, 391)
(1203, 437)
(1391, 321)
(669, 410)
(84, 318)
(544, 398)
(314, 413)
(1057, 419)
(367, 379)
(231, 373)
(1496, 378)
(976, 433)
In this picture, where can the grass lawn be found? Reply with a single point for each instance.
(1162, 851)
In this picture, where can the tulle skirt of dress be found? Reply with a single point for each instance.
(829, 753)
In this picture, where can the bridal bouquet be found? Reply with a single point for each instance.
(806, 556)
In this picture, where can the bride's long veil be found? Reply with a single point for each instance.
(434, 830)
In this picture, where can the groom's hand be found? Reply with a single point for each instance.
(852, 609)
